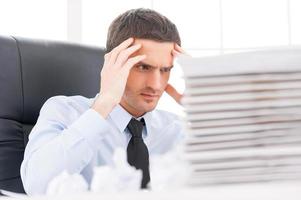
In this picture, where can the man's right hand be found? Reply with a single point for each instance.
(114, 74)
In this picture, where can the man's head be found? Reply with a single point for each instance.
(144, 24)
(148, 79)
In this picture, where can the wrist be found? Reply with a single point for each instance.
(104, 104)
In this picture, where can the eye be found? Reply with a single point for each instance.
(165, 69)
(143, 67)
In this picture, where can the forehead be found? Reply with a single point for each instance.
(158, 54)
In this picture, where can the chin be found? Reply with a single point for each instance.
(147, 107)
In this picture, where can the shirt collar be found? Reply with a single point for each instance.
(121, 118)
(147, 118)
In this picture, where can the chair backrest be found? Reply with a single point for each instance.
(31, 71)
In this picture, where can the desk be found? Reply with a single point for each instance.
(263, 191)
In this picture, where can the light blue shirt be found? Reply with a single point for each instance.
(71, 136)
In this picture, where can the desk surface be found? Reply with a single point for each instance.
(266, 191)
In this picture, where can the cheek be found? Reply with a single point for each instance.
(165, 79)
(133, 76)
(134, 81)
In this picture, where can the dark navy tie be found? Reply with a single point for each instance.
(137, 152)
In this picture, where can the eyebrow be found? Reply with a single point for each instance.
(145, 64)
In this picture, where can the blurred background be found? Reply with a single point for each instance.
(207, 27)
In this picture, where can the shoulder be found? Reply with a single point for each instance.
(65, 105)
(67, 100)
(166, 119)
(165, 116)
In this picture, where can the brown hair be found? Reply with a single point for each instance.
(144, 24)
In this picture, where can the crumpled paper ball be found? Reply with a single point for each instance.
(169, 171)
(66, 183)
(119, 177)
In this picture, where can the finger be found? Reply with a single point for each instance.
(175, 53)
(173, 93)
(125, 54)
(179, 49)
(115, 52)
(105, 64)
(133, 61)
(106, 59)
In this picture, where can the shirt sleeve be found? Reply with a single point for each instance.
(61, 140)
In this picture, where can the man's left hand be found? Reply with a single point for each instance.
(169, 88)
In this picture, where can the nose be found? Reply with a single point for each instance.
(154, 80)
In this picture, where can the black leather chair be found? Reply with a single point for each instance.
(31, 71)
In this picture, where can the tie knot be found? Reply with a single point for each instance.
(135, 127)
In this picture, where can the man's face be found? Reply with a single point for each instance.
(148, 79)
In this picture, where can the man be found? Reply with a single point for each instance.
(76, 134)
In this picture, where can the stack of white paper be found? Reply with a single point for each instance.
(243, 116)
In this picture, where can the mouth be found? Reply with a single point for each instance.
(149, 96)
